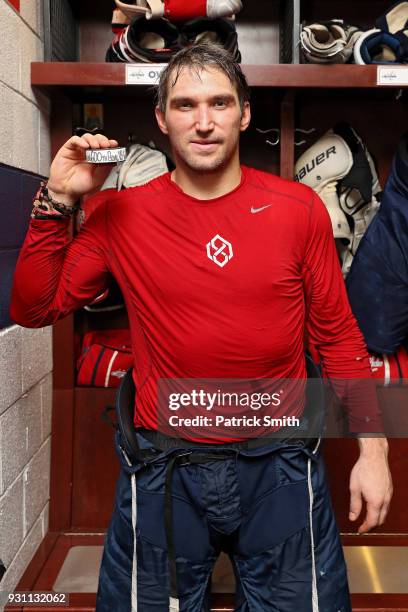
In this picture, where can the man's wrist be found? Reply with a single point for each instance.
(46, 207)
(372, 444)
(61, 198)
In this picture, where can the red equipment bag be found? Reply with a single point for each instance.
(390, 369)
(105, 358)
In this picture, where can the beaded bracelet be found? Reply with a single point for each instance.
(45, 207)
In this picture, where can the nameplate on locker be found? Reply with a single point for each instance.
(143, 74)
(392, 75)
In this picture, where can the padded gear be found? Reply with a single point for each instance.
(321, 167)
(119, 21)
(142, 164)
(390, 370)
(221, 31)
(151, 41)
(377, 47)
(222, 8)
(341, 170)
(146, 8)
(148, 45)
(395, 19)
(359, 191)
(156, 41)
(328, 42)
(179, 10)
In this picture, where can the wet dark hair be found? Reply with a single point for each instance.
(200, 57)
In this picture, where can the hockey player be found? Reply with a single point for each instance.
(222, 268)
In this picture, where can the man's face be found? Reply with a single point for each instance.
(203, 119)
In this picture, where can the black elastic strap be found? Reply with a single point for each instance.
(164, 443)
(125, 406)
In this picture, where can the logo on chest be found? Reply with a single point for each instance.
(219, 250)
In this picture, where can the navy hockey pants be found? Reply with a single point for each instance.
(269, 509)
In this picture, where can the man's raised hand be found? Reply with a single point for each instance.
(70, 175)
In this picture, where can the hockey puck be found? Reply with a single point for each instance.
(106, 156)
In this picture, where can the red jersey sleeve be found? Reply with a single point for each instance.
(56, 275)
(332, 328)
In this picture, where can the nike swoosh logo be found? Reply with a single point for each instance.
(256, 210)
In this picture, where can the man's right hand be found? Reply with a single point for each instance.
(70, 175)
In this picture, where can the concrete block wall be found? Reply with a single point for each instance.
(25, 354)
(24, 144)
(25, 441)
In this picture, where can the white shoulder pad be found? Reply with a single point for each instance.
(326, 161)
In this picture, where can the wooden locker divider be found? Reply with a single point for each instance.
(63, 374)
(287, 135)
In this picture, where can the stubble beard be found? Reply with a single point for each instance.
(207, 164)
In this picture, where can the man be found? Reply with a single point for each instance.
(222, 267)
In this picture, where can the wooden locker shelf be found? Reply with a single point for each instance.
(81, 74)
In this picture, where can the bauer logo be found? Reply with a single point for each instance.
(219, 250)
(137, 74)
(316, 161)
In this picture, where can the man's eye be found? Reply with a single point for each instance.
(185, 105)
(220, 104)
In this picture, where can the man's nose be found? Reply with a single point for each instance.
(204, 119)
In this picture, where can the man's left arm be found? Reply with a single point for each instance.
(334, 333)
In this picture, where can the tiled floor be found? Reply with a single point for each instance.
(377, 569)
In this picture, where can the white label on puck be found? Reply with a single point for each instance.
(392, 75)
(106, 156)
(143, 74)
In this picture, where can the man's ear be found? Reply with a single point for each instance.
(245, 117)
(161, 120)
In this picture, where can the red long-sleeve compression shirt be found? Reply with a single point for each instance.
(220, 288)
